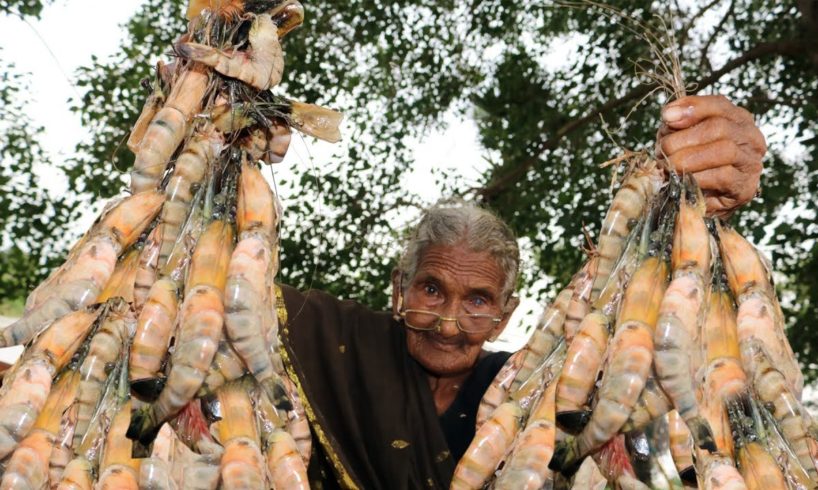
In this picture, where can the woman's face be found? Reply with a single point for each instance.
(452, 280)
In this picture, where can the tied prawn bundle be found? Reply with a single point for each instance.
(662, 364)
(152, 357)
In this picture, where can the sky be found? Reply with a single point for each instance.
(52, 48)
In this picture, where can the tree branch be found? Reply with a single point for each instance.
(705, 61)
(500, 184)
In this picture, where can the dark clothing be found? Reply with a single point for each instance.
(459, 419)
(369, 402)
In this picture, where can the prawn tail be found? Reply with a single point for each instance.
(566, 458)
(702, 434)
(573, 421)
(143, 427)
(148, 389)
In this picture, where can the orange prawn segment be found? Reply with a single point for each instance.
(580, 303)
(681, 447)
(745, 272)
(201, 319)
(498, 391)
(261, 66)
(168, 128)
(62, 339)
(758, 468)
(285, 464)
(630, 360)
(121, 283)
(691, 240)
(258, 208)
(22, 403)
(627, 206)
(242, 465)
(153, 331)
(117, 469)
(724, 377)
(28, 466)
(227, 366)
(527, 466)
(490, 443)
(78, 475)
(104, 350)
(211, 257)
(545, 337)
(579, 373)
(146, 270)
(653, 403)
(772, 389)
(188, 173)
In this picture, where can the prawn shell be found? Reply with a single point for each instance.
(490, 443)
(582, 364)
(287, 468)
(21, 405)
(256, 203)
(131, 216)
(211, 257)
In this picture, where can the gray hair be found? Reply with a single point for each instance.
(458, 221)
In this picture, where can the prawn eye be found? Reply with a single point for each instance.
(109, 367)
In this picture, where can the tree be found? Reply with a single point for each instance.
(397, 68)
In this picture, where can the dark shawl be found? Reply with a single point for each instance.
(369, 403)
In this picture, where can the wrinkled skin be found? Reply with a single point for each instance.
(719, 144)
(452, 280)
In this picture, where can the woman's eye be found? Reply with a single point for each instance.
(430, 289)
(479, 301)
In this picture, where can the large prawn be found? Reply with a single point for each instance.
(168, 128)
(104, 350)
(81, 282)
(627, 206)
(201, 321)
(631, 356)
(678, 326)
(759, 314)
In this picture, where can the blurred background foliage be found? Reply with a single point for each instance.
(399, 69)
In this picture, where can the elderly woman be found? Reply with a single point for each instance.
(392, 397)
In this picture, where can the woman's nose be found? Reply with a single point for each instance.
(448, 327)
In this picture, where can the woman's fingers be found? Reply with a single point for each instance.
(689, 111)
(727, 188)
(712, 130)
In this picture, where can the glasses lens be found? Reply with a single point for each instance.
(476, 323)
(421, 320)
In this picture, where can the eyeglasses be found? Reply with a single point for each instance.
(466, 322)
